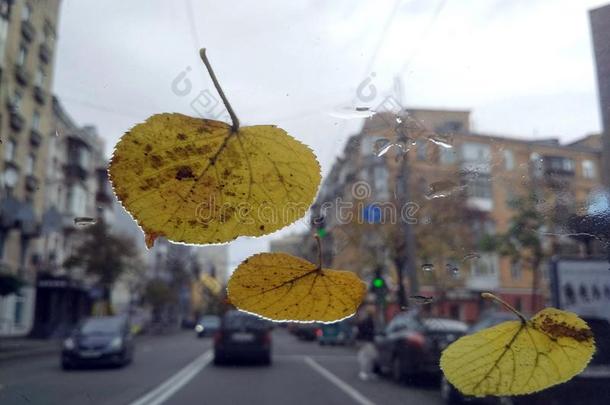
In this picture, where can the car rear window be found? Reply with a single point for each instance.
(235, 320)
(444, 325)
(101, 325)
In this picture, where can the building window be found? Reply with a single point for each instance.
(77, 200)
(30, 164)
(367, 145)
(588, 169)
(26, 12)
(422, 149)
(476, 152)
(509, 159)
(537, 166)
(36, 120)
(515, 270)
(22, 56)
(16, 102)
(380, 180)
(39, 78)
(479, 187)
(9, 150)
(447, 156)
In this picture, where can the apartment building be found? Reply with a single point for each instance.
(27, 48)
(462, 187)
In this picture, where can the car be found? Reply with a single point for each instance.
(207, 325)
(105, 340)
(592, 383)
(338, 333)
(242, 336)
(306, 331)
(411, 345)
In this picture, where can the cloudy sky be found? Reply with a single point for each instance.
(524, 68)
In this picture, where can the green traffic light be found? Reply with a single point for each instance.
(322, 232)
(378, 283)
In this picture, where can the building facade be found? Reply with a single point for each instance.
(462, 189)
(27, 49)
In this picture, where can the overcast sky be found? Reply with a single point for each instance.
(524, 68)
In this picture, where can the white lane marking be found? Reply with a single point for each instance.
(339, 383)
(170, 386)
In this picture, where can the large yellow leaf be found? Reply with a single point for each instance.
(197, 181)
(282, 287)
(520, 357)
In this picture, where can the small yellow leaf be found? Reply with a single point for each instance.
(282, 287)
(197, 181)
(516, 357)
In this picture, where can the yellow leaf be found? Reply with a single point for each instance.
(198, 181)
(282, 287)
(520, 357)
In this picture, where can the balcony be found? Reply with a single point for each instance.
(39, 95)
(45, 53)
(35, 137)
(22, 76)
(27, 31)
(16, 121)
(75, 170)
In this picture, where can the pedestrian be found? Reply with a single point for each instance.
(367, 355)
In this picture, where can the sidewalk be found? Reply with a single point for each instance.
(12, 348)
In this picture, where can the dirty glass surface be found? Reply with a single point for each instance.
(464, 150)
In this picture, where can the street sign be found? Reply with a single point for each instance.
(581, 286)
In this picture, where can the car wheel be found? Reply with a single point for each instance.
(450, 395)
(398, 373)
(219, 360)
(66, 365)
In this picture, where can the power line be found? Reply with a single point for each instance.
(386, 27)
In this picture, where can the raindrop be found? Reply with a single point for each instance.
(349, 112)
(84, 221)
(471, 256)
(57, 132)
(421, 300)
(441, 140)
(443, 188)
(384, 150)
(399, 120)
(452, 270)
(427, 267)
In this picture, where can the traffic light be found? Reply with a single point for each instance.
(378, 282)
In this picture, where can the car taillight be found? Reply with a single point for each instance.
(319, 332)
(415, 339)
(267, 338)
(217, 337)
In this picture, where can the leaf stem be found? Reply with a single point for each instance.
(505, 304)
(206, 62)
(319, 252)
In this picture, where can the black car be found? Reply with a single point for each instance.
(412, 345)
(103, 340)
(592, 383)
(207, 325)
(242, 337)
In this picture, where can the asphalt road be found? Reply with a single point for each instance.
(177, 369)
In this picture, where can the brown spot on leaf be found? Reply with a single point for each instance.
(181, 136)
(148, 147)
(562, 329)
(156, 161)
(184, 172)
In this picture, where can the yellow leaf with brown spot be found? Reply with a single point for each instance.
(520, 357)
(197, 181)
(282, 287)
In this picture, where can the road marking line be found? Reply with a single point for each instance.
(342, 385)
(170, 386)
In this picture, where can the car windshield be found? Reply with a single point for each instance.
(103, 326)
(306, 201)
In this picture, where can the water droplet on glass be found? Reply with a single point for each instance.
(471, 256)
(57, 132)
(441, 140)
(421, 300)
(443, 188)
(452, 270)
(84, 221)
(427, 267)
(384, 150)
(349, 112)
(399, 120)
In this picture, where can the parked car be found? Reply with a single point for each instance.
(338, 333)
(103, 340)
(411, 345)
(242, 336)
(207, 325)
(592, 383)
(306, 331)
